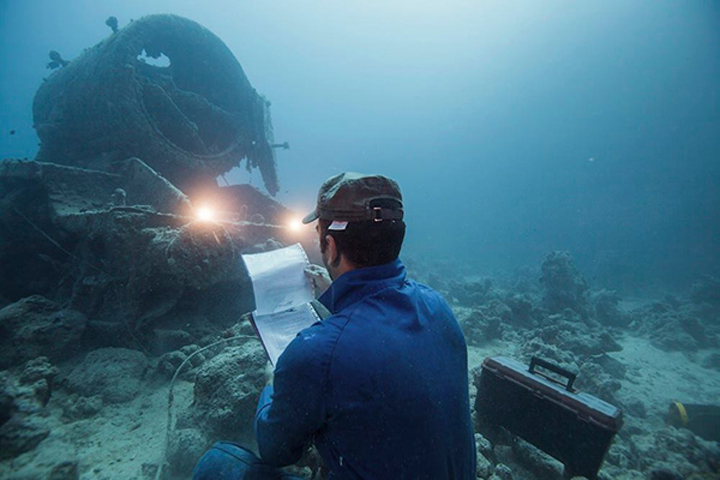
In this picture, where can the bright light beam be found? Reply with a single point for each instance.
(295, 225)
(206, 214)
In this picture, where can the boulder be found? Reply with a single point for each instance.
(186, 447)
(606, 305)
(36, 326)
(565, 287)
(115, 374)
(226, 391)
(83, 407)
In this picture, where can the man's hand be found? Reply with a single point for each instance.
(269, 374)
(320, 279)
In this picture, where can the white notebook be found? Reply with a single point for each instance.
(282, 295)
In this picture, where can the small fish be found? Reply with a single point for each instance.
(12, 132)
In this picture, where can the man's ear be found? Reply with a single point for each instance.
(332, 251)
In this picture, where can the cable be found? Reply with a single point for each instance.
(171, 397)
(54, 242)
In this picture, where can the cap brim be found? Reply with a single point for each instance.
(311, 217)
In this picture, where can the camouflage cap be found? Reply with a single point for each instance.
(354, 197)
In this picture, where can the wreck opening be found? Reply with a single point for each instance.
(160, 61)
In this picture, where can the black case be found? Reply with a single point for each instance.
(575, 428)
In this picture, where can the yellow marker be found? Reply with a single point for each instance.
(683, 413)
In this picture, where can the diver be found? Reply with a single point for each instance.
(380, 387)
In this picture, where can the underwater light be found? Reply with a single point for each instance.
(205, 214)
(295, 225)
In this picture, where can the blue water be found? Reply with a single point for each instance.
(513, 128)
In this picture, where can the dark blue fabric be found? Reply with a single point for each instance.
(380, 387)
(229, 461)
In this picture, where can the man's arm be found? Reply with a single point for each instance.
(292, 411)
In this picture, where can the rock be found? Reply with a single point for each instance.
(19, 435)
(619, 455)
(483, 446)
(611, 366)
(149, 470)
(577, 339)
(668, 334)
(35, 326)
(113, 373)
(539, 348)
(483, 455)
(503, 472)
(676, 449)
(36, 382)
(480, 326)
(169, 363)
(472, 293)
(706, 290)
(226, 391)
(593, 379)
(605, 304)
(483, 467)
(168, 340)
(665, 474)
(84, 407)
(523, 312)
(536, 461)
(7, 398)
(564, 286)
(38, 369)
(636, 407)
(186, 446)
(712, 361)
(67, 470)
(195, 359)
(28, 392)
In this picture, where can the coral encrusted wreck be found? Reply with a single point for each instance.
(190, 121)
(110, 278)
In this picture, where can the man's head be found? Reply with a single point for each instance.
(360, 221)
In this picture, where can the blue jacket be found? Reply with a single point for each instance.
(380, 387)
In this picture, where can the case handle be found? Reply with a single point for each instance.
(539, 362)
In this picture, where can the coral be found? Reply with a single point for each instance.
(575, 338)
(565, 287)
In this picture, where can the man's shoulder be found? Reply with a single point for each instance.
(429, 293)
(315, 344)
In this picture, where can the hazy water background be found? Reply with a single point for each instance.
(514, 128)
